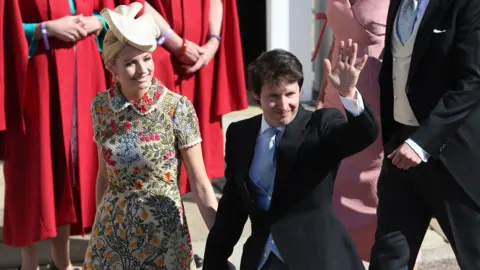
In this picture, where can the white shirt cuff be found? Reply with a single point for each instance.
(353, 105)
(420, 152)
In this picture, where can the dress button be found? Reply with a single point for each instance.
(273, 242)
(269, 198)
(395, 97)
(264, 254)
(394, 59)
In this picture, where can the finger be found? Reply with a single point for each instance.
(403, 163)
(362, 62)
(200, 50)
(328, 67)
(74, 35)
(392, 154)
(70, 38)
(77, 18)
(341, 52)
(187, 60)
(396, 159)
(353, 56)
(196, 67)
(194, 54)
(82, 24)
(82, 31)
(347, 51)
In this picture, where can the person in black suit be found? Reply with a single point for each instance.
(430, 94)
(275, 157)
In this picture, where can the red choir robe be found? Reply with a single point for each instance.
(40, 191)
(219, 87)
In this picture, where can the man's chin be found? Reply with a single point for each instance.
(285, 120)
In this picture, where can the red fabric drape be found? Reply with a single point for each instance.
(40, 192)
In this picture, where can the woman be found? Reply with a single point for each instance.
(142, 129)
(355, 199)
(54, 70)
(201, 58)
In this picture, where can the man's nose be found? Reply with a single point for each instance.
(283, 103)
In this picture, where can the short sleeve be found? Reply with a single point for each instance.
(185, 124)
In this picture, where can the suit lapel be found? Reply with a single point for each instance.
(245, 150)
(287, 150)
(433, 14)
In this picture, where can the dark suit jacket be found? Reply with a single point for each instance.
(300, 217)
(443, 87)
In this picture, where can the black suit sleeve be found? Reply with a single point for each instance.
(456, 104)
(230, 218)
(349, 136)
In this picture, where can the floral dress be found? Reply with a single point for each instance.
(140, 222)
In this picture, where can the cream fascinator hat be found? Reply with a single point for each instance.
(141, 33)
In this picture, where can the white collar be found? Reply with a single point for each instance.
(264, 126)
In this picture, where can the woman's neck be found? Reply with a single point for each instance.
(133, 94)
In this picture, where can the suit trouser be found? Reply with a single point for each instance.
(408, 199)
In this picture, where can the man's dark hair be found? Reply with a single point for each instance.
(274, 67)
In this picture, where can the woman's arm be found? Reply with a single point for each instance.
(321, 96)
(212, 44)
(216, 17)
(102, 178)
(201, 187)
(174, 42)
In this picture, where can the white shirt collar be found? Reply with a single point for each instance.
(264, 126)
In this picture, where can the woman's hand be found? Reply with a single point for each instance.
(68, 29)
(209, 50)
(344, 76)
(92, 24)
(192, 53)
(202, 189)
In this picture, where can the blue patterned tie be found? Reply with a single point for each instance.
(267, 167)
(406, 19)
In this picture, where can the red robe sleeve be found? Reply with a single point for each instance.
(229, 68)
(2, 67)
(15, 61)
(13, 64)
(99, 5)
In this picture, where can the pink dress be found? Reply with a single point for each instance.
(355, 199)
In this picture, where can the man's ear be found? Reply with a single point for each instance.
(256, 96)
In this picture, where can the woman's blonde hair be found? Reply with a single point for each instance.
(111, 47)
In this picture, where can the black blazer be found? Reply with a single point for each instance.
(300, 218)
(443, 87)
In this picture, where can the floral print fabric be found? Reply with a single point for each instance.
(140, 223)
